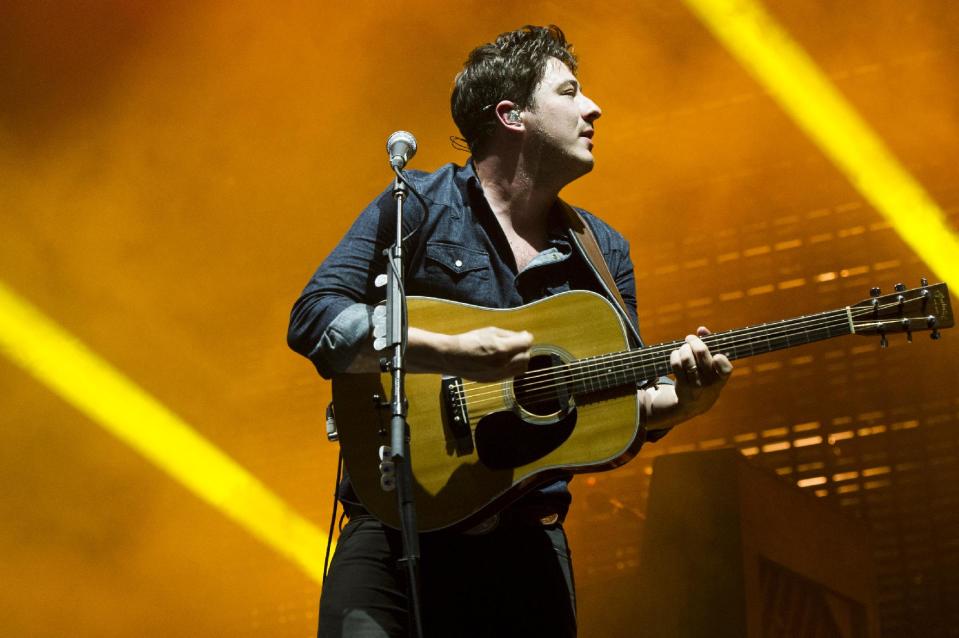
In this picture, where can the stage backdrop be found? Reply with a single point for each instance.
(172, 172)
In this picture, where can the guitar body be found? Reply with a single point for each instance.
(510, 438)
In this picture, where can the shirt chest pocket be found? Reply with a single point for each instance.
(457, 273)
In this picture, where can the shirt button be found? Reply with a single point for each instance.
(459, 263)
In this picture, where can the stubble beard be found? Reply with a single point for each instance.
(555, 164)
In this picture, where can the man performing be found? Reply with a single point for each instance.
(491, 233)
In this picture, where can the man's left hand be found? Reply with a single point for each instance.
(700, 377)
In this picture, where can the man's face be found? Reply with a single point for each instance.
(560, 120)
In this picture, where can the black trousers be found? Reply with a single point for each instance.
(514, 581)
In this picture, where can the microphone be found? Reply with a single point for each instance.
(401, 147)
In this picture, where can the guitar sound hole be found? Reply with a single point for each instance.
(542, 390)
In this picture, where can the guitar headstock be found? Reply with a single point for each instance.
(919, 309)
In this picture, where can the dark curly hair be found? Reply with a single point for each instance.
(508, 69)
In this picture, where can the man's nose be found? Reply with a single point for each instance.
(591, 110)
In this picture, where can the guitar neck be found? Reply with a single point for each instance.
(635, 366)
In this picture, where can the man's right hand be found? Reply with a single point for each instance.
(484, 354)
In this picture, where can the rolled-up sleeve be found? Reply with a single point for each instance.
(332, 319)
(342, 339)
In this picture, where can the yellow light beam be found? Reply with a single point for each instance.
(97, 389)
(767, 51)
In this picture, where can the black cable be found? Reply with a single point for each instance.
(400, 175)
(459, 144)
(336, 502)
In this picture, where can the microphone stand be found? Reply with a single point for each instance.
(396, 334)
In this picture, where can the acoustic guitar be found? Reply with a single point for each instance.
(476, 447)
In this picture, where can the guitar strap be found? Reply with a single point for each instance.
(585, 241)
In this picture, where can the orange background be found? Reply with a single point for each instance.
(172, 172)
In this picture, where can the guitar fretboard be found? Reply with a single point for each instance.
(618, 369)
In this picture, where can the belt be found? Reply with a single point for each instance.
(521, 516)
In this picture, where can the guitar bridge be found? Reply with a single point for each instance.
(455, 415)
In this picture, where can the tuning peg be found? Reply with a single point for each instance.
(924, 293)
(934, 335)
(932, 322)
(900, 287)
(875, 291)
(883, 342)
(906, 326)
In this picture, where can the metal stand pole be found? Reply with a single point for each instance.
(396, 332)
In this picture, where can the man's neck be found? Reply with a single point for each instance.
(518, 199)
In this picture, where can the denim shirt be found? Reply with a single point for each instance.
(454, 249)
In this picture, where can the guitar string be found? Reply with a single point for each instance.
(776, 336)
(780, 332)
(743, 335)
(777, 331)
(545, 381)
(546, 390)
(588, 365)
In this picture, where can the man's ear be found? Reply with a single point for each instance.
(510, 115)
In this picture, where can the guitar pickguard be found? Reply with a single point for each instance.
(505, 441)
